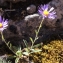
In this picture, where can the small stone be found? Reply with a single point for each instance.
(31, 9)
(30, 17)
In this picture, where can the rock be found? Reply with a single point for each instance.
(33, 20)
(30, 17)
(31, 9)
(57, 4)
(2, 1)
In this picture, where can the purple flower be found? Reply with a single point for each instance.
(46, 12)
(3, 24)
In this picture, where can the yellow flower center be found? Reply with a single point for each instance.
(1, 25)
(45, 12)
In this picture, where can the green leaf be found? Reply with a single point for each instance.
(37, 45)
(35, 50)
(37, 38)
(14, 48)
(26, 53)
(31, 40)
(8, 43)
(36, 32)
(11, 47)
(19, 53)
(17, 60)
(27, 49)
(25, 42)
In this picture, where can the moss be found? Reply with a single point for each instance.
(51, 53)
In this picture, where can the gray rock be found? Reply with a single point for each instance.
(30, 17)
(2, 1)
(31, 9)
(57, 4)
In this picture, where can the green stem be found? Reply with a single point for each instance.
(6, 42)
(40, 26)
(37, 33)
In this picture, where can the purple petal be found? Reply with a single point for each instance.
(40, 12)
(1, 29)
(52, 16)
(45, 7)
(0, 19)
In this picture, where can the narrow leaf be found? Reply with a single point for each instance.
(31, 40)
(25, 42)
(16, 60)
(36, 32)
(8, 43)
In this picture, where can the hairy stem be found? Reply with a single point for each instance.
(6, 42)
(36, 37)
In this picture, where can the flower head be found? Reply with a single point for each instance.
(46, 12)
(3, 24)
